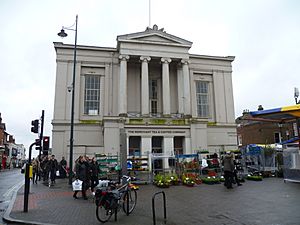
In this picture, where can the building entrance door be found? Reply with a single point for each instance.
(157, 149)
(178, 145)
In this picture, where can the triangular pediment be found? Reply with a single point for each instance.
(154, 36)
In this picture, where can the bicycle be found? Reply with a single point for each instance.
(111, 199)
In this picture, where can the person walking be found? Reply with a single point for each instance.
(228, 164)
(94, 171)
(53, 167)
(63, 168)
(235, 173)
(45, 168)
(81, 173)
(35, 170)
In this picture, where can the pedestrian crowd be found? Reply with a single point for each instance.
(46, 168)
(87, 171)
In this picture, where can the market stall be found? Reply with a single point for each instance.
(288, 114)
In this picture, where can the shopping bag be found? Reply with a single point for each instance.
(77, 185)
(103, 183)
(23, 168)
(57, 173)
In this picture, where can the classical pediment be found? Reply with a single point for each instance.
(154, 36)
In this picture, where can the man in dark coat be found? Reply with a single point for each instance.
(45, 168)
(94, 171)
(228, 164)
(63, 168)
(53, 167)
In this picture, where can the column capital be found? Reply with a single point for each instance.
(185, 61)
(145, 58)
(166, 60)
(124, 57)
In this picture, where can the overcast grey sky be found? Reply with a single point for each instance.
(263, 35)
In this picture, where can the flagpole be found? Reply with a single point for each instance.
(149, 13)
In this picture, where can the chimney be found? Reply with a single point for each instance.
(260, 107)
(11, 139)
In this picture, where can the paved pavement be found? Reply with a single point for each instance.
(269, 202)
(10, 181)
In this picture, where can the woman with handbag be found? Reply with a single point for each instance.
(81, 171)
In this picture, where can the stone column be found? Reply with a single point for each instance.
(168, 149)
(145, 85)
(123, 85)
(187, 146)
(166, 86)
(146, 149)
(186, 87)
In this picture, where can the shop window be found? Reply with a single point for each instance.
(157, 148)
(14, 152)
(135, 146)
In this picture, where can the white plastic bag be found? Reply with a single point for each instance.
(57, 173)
(77, 185)
(204, 163)
(103, 183)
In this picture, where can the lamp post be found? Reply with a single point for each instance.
(63, 34)
(296, 95)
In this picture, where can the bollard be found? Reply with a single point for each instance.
(164, 206)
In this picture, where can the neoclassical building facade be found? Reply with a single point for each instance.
(166, 100)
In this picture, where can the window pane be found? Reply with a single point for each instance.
(92, 94)
(202, 98)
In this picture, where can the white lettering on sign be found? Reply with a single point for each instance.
(156, 132)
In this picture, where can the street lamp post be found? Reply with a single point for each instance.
(296, 95)
(63, 34)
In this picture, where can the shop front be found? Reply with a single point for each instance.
(158, 145)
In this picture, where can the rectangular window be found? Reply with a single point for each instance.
(277, 137)
(153, 95)
(92, 95)
(135, 146)
(202, 94)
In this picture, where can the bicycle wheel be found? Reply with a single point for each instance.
(130, 198)
(103, 212)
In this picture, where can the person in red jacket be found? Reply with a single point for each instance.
(4, 158)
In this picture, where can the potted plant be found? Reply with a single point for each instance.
(187, 181)
(161, 181)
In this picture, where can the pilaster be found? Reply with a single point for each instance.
(186, 87)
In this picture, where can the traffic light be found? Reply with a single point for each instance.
(46, 141)
(35, 126)
(38, 144)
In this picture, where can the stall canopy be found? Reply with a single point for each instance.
(278, 115)
(283, 114)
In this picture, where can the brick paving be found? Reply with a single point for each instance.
(255, 203)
